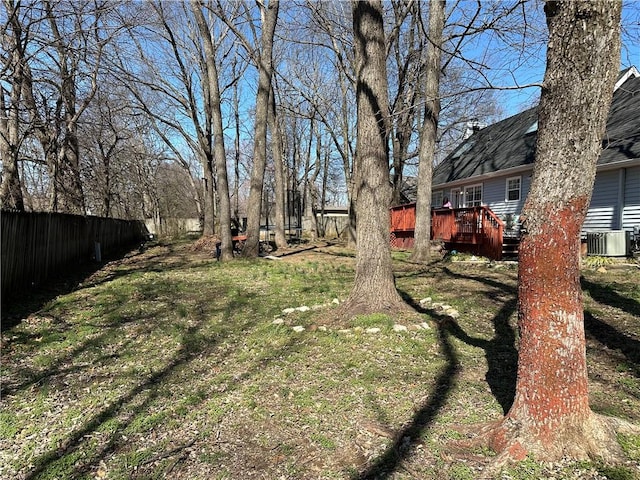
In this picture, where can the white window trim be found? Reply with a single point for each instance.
(506, 189)
(469, 187)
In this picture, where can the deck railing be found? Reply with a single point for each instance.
(474, 229)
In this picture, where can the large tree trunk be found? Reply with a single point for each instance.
(265, 71)
(277, 150)
(13, 61)
(550, 417)
(422, 233)
(236, 153)
(69, 185)
(220, 156)
(311, 189)
(208, 190)
(374, 289)
(11, 187)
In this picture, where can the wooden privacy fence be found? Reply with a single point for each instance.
(36, 246)
(403, 224)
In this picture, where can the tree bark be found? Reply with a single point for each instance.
(11, 187)
(236, 153)
(13, 61)
(550, 417)
(220, 156)
(277, 150)
(265, 71)
(422, 233)
(311, 188)
(374, 288)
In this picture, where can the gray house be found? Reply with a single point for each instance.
(493, 167)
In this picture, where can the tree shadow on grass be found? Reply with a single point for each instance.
(502, 359)
(405, 440)
(19, 305)
(138, 401)
(59, 330)
(118, 333)
(607, 295)
(500, 352)
(600, 331)
(75, 440)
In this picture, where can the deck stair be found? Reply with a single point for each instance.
(510, 247)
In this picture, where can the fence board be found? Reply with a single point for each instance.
(37, 245)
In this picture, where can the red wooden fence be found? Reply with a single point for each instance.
(403, 223)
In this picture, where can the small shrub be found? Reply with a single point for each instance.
(597, 261)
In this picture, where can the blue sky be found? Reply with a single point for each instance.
(514, 101)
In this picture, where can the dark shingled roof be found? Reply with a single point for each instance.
(511, 142)
(622, 139)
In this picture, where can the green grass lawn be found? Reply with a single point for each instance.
(168, 364)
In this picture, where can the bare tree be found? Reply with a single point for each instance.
(186, 91)
(422, 246)
(58, 90)
(214, 102)
(327, 48)
(14, 42)
(374, 288)
(102, 137)
(550, 417)
(279, 173)
(406, 49)
(264, 63)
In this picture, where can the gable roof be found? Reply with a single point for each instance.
(622, 138)
(511, 142)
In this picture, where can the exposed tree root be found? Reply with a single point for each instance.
(595, 439)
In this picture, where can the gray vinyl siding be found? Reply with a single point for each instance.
(631, 216)
(494, 194)
(604, 213)
(613, 191)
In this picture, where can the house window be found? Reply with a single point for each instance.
(436, 199)
(514, 186)
(473, 196)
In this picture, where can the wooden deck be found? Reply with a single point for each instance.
(474, 230)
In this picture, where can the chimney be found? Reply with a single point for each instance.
(473, 126)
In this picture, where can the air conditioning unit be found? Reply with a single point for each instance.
(612, 243)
